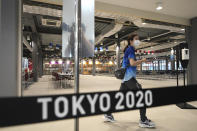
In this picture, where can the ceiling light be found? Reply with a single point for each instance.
(143, 23)
(183, 29)
(68, 62)
(159, 6)
(84, 62)
(52, 62)
(97, 62)
(60, 61)
(110, 62)
(90, 62)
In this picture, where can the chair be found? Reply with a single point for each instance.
(70, 78)
(57, 79)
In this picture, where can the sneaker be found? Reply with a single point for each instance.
(109, 118)
(147, 124)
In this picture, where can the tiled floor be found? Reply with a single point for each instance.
(167, 118)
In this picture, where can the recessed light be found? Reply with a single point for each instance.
(159, 6)
(143, 23)
(183, 29)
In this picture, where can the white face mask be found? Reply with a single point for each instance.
(136, 43)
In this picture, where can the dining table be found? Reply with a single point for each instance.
(65, 76)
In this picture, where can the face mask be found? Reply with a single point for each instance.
(136, 43)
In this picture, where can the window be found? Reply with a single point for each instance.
(180, 66)
(162, 65)
(169, 66)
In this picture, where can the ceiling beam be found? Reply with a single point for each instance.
(53, 2)
(27, 44)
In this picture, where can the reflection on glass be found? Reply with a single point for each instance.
(87, 29)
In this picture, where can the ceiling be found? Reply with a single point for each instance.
(179, 8)
(51, 38)
(52, 34)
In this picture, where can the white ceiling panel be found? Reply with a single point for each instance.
(179, 8)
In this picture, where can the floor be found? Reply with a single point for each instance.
(88, 83)
(167, 118)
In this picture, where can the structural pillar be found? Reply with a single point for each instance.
(40, 63)
(158, 65)
(153, 66)
(0, 18)
(93, 67)
(173, 65)
(11, 47)
(166, 64)
(35, 55)
(192, 40)
(82, 66)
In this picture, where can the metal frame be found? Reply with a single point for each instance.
(76, 51)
